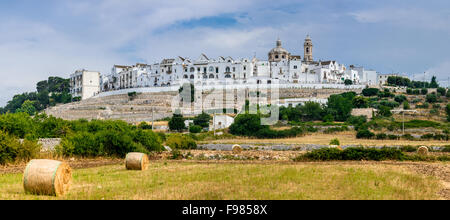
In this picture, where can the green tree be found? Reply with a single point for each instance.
(27, 107)
(433, 83)
(311, 111)
(247, 125)
(202, 120)
(348, 82)
(176, 123)
(384, 111)
(340, 107)
(360, 102)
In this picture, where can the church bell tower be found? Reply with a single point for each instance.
(308, 49)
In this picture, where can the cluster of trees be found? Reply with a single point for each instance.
(405, 82)
(82, 137)
(201, 121)
(50, 92)
(250, 125)
(339, 108)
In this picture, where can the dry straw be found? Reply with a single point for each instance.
(422, 150)
(237, 149)
(136, 161)
(47, 177)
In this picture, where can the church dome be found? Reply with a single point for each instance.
(278, 53)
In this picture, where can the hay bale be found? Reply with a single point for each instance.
(422, 150)
(47, 177)
(237, 149)
(136, 161)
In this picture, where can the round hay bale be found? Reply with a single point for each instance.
(422, 150)
(336, 146)
(237, 149)
(47, 177)
(136, 161)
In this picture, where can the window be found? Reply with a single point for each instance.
(185, 76)
(217, 69)
(192, 77)
(234, 69)
(211, 69)
(211, 76)
(295, 67)
(228, 76)
(227, 69)
(276, 56)
(192, 69)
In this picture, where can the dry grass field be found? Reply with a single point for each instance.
(345, 138)
(195, 180)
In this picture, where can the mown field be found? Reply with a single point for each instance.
(168, 180)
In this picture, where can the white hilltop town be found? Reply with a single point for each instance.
(281, 67)
(156, 86)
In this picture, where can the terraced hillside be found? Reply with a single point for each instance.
(139, 108)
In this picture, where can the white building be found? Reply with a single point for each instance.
(383, 78)
(221, 122)
(84, 84)
(281, 67)
(368, 77)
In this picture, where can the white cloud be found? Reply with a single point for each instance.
(441, 71)
(406, 17)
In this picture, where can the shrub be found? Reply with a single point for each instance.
(179, 141)
(357, 120)
(406, 105)
(11, 149)
(83, 144)
(409, 91)
(148, 139)
(202, 120)
(431, 98)
(364, 134)
(370, 92)
(384, 111)
(408, 148)
(357, 154)
(336, 129)
(408, 137)
(115, 143)
(447, 110)
(195, 129)
(424, 91)
(335, 142)
(268, 133)
(247, 125)
(381, 136)
(441, 91)
(393, 137)
(400, 98)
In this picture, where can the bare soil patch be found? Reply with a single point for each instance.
(73, 163)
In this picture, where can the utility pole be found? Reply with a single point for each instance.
(153, 118)
(214, 123)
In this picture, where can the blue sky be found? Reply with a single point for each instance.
(49, 37)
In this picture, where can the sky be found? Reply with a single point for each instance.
(46, 38)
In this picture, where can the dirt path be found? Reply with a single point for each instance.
(73, 163)
(441, 171)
